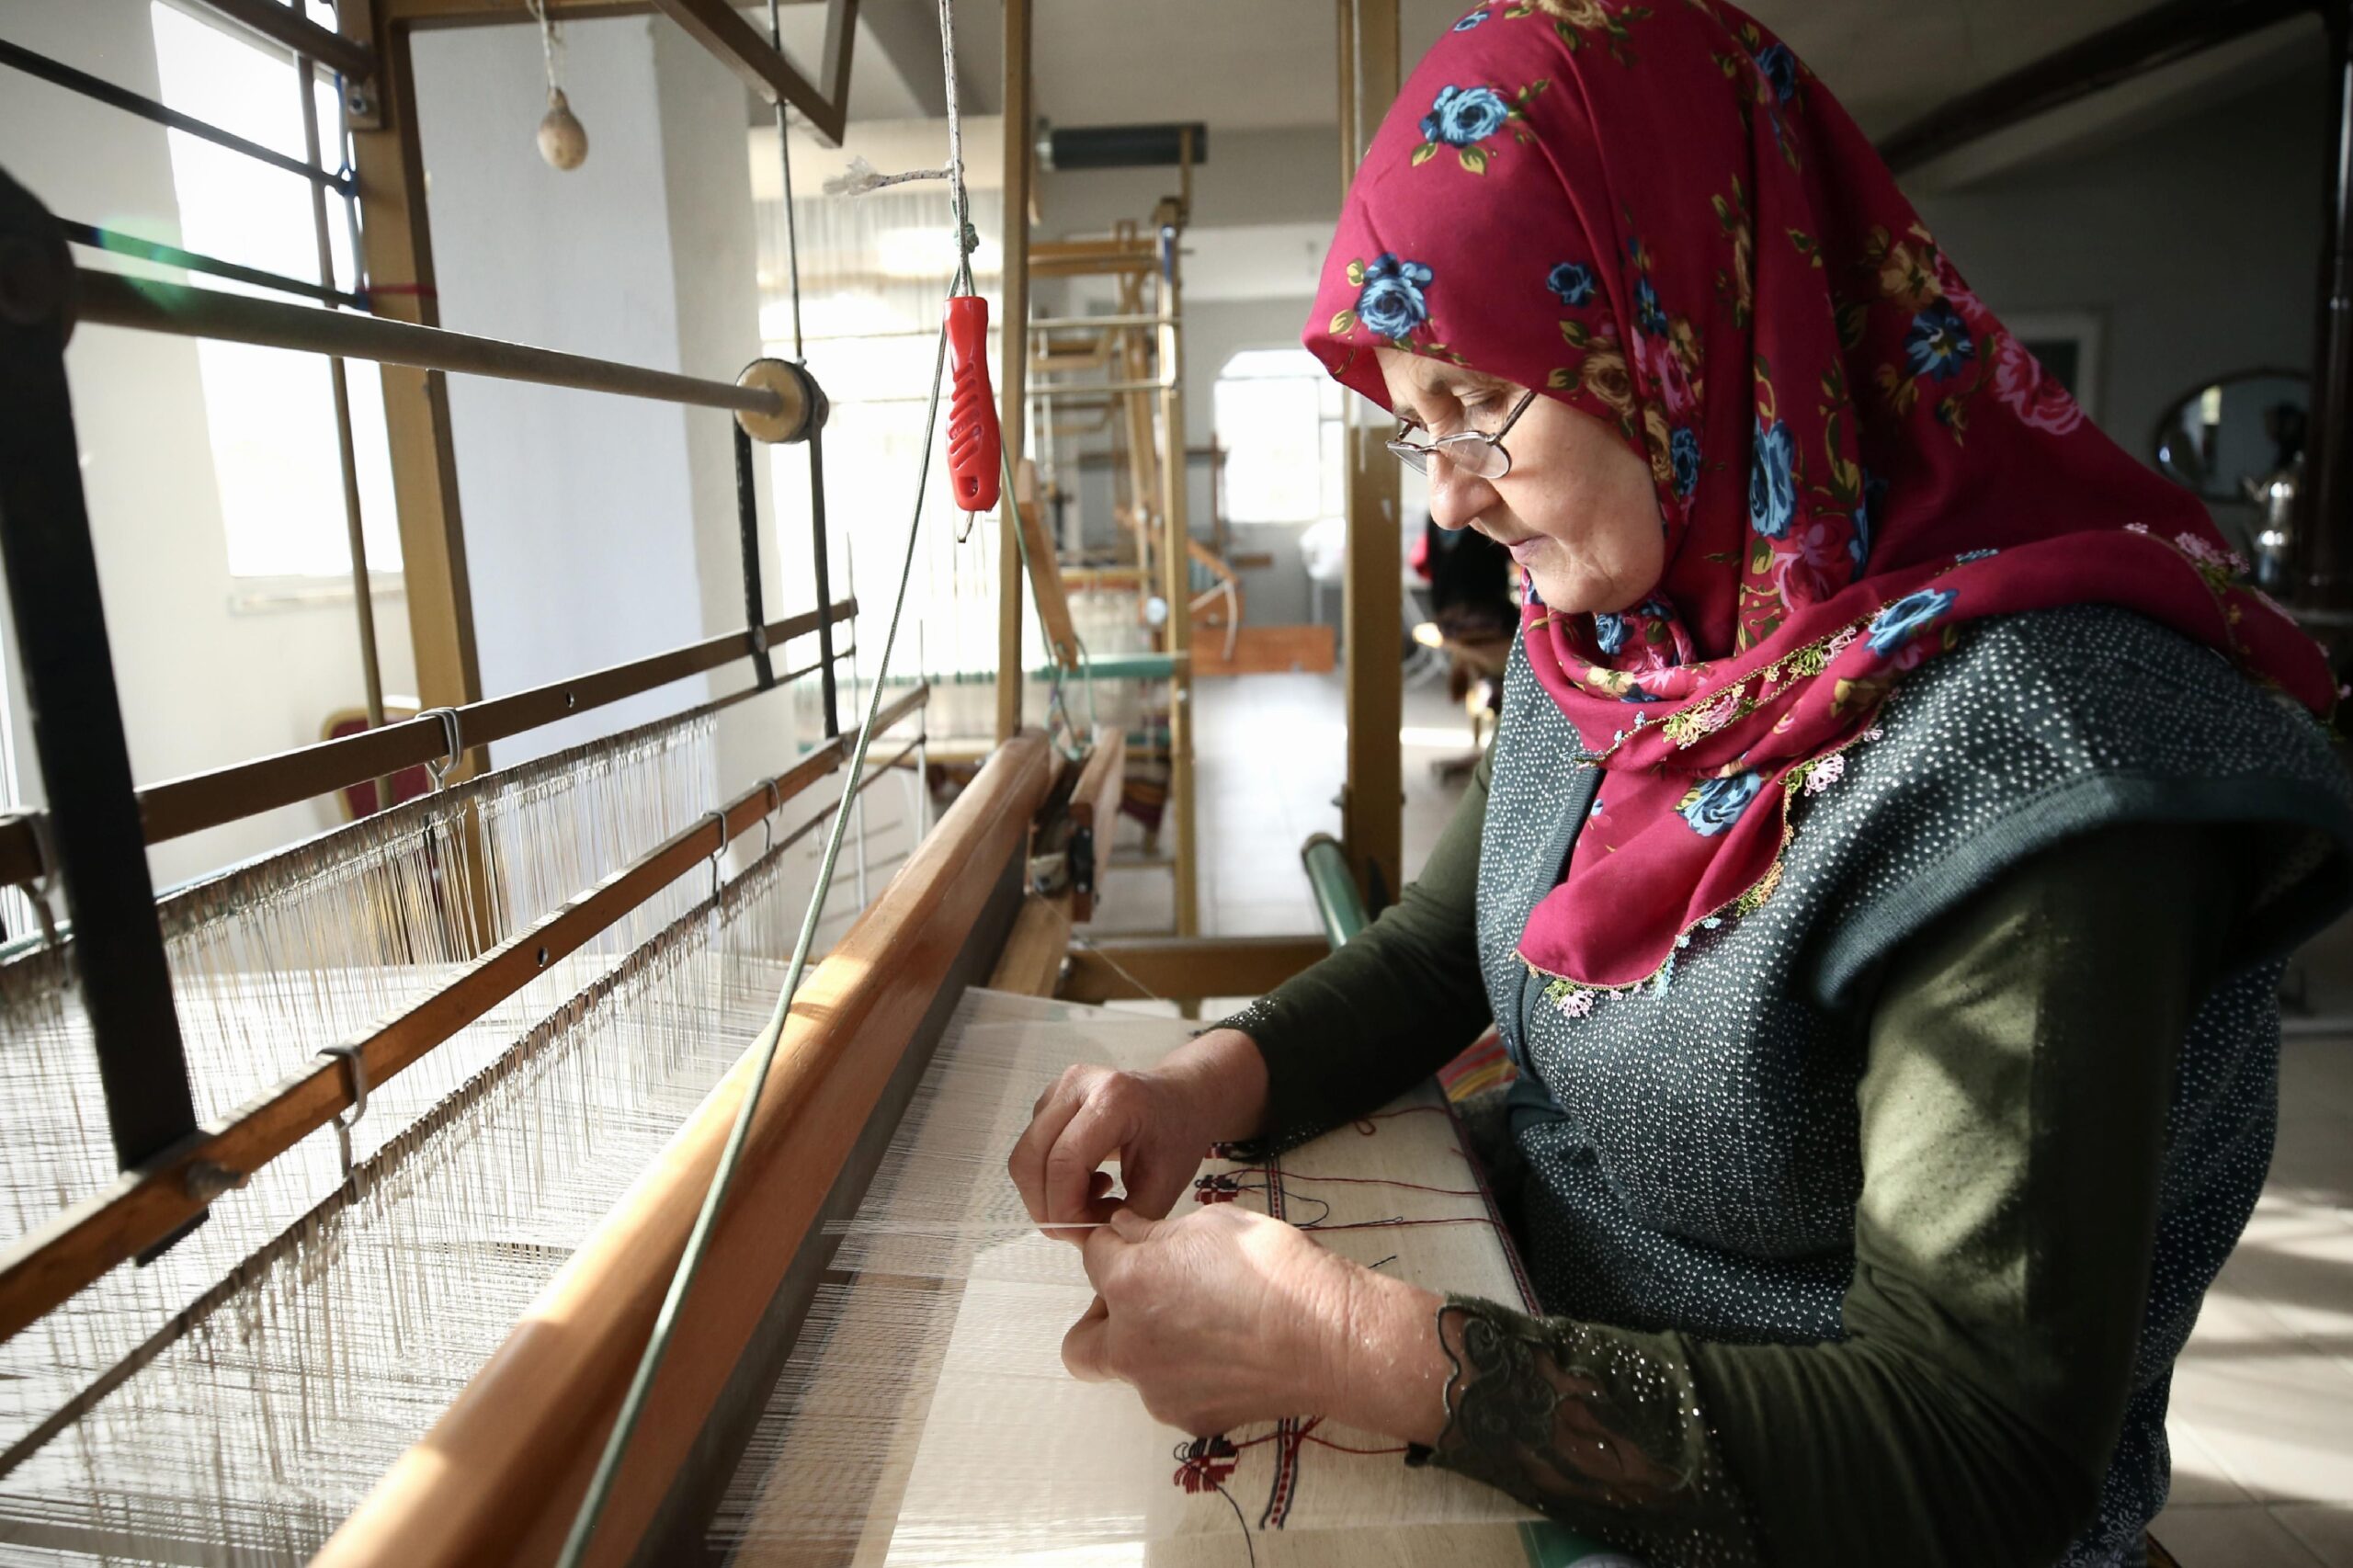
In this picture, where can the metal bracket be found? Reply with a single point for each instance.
(356, 1064)
(748, 523)
(1082, 859)
(362, 110)
(453, 745)
(720, 818)
(827, 692)
(767, 818)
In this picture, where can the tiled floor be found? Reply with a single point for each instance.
(2262, 1419)
(1269, 762)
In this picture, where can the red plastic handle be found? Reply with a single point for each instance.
(973, 460)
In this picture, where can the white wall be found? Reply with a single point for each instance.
(2197, 242)
(203, 684)
(602, 528)
(579, 507)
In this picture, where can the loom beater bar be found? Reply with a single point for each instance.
(48, 1265)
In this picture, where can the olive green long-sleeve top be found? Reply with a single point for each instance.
(2012, 1110)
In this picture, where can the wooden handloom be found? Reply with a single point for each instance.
(500, 1473)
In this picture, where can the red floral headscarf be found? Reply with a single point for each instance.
(1655, 213)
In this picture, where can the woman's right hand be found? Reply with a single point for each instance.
(1160, 1123)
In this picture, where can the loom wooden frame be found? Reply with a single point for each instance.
(42, 1268)
(1176, 969)
(711, 23)
(180, 806)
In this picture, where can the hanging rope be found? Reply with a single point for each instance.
(784, 157)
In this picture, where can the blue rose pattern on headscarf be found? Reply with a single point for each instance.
(1649, 314)
(1893, 626)
(1683, 453)
(1392, 303)
(1867, 520)
(1773, 484)
(1459, 115)
(1781, 69)
(1716, 803)
(1938, 342)
(1573, 281)
(1609, 630)
(1473, 20)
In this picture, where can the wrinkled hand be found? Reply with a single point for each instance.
(1221, 1318)
(1160, 1123)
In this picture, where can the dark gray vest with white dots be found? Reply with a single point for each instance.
(1703, 1171)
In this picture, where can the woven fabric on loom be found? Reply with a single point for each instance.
(926, 1417)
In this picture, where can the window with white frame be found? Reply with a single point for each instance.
(1278, 419)
(269, 411)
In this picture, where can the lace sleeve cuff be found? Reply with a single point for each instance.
(1596, 1427)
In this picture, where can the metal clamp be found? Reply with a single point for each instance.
(720, 818)
(453, 745)
(355, 1063)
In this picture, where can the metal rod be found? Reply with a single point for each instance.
(236, 318)
(298, 35)
(58, 74)
(187, 806)
(116, 242)
(1338, 906)
(70, 693)
(363, 598)
(49, 1264)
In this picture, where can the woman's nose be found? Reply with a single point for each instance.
(1457, 498)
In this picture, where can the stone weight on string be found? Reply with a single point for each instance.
(563, 141)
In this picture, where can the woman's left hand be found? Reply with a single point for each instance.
(1226, 1317)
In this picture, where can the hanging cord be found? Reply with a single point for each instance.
(548, 40)
(966, 240)
(784, 156)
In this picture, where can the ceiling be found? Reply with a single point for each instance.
(1255, 64)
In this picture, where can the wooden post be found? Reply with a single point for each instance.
(1014, 358)
(398, 249)
(1177, 567)
(1372, 603)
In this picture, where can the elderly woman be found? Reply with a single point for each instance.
(1880, 878)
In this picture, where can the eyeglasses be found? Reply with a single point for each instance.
(1482, 456)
